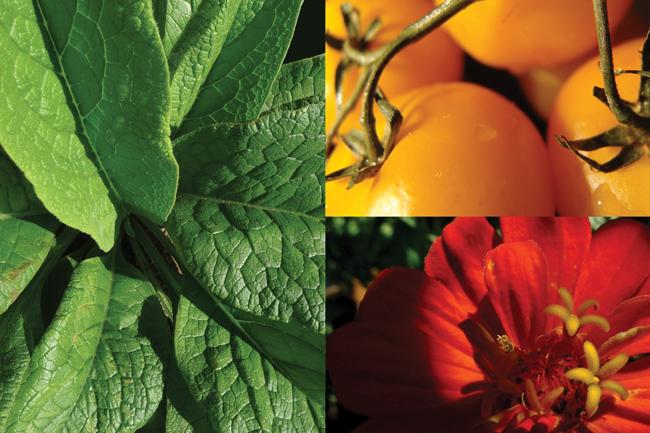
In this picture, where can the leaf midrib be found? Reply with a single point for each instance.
(250, 205)
(77, 110)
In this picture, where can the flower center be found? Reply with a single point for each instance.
(561, 375)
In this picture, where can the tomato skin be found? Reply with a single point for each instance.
(581, 190)
(463, 150)
(433, 59)
(520, 34)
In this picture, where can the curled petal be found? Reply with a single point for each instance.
(594, 319)
(566, 298)
(613, 365)
(531, 396)
(593, 399)
(572, 324)
(591, 355)
(557, 310)
(587, 305)
(616, 387)
(581, 374)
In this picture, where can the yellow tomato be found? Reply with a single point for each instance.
(520, 34)
(580, 190)
(463, 150)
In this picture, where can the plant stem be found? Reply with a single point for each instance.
(380, 58)
(622, 111)
(163, 299)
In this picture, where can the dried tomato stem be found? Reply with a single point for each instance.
(377, 61)
(622, 111)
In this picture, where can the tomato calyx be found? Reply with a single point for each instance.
(632, 135)
(371, 150)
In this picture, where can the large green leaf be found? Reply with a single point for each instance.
(98, 366)
(23, 244)
(240, 388)
(248, 219)
(85, 110)
(297, 80)
(20, 326)
(238, 84)
(194, 33)
(248, 225)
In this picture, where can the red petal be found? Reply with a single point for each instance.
(563, 240)
(517, 282)
(406, 352)
(617, 266)
(632, 415)
(631, 313)
(456, 259)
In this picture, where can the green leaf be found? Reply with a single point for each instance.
(85, 110)
(99, 365)
(297, 80)
(239, 83)
(248, 225)
(20, 326)
(23, 244)
(195, 32)
(248, 219)
(238, 387)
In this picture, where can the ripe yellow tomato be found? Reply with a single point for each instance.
(520, 34)
(580, 190)
(463, 150)
(433, 59)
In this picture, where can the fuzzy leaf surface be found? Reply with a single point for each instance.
(248, 225)
(238, 85)
(194, 33)
(85, 110)
(23, 244)
(297, 80)
(98, 366)
(20, 328)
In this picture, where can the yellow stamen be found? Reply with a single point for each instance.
(597, 320)
(592, 376)
(549, 399)
(583, 375)
(623, 336)
(587, 305)
(593, 399)
(613, 365)
(531, 396)
(574, 320)
(616, 387)
(591, 356)
(572, 324)
(557, 310)
(566, 298)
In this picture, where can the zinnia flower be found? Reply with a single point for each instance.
(530, 331)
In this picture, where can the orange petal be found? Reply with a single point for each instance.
(518, 288)
(563, 240)
(617, 266)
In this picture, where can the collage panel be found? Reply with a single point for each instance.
(162, 228)
(499, 107)
(471, 324)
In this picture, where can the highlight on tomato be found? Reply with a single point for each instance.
(580, 189)
(435, 58)
(520, 34)
(462, 150)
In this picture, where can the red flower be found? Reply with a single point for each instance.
(528, 332)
